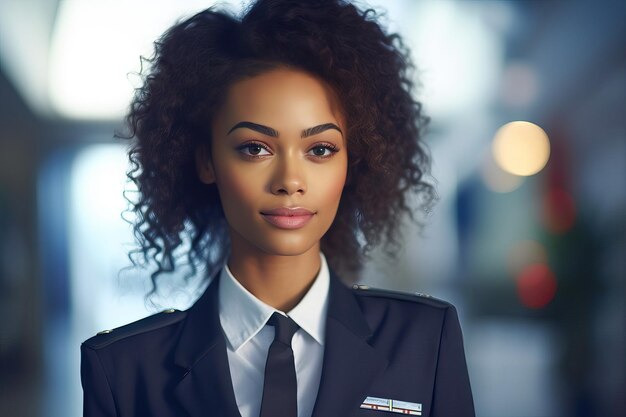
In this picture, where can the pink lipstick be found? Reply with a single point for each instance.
(288, 217)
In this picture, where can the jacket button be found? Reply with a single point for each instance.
(360, 287)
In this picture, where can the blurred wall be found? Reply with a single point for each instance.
(21, 321)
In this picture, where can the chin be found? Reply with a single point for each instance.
(288, 247)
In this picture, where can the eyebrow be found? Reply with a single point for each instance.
(319, 129)
(266, 130)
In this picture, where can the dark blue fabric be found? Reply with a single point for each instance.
(280, 386)
(377, 343)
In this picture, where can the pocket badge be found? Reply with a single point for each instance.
(392, 406)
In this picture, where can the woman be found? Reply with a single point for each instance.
(283, 145)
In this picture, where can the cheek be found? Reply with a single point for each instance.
(335, 187)
(237, 188)
(333, 183)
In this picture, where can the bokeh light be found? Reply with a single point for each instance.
(497, 179)
(521, 148)
(536, 286)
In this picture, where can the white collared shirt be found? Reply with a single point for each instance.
(243, 318)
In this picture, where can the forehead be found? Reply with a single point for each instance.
(281, 98)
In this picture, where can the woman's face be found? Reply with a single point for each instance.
(278, 141)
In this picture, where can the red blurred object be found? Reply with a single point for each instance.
(536, 285)
(559, 211)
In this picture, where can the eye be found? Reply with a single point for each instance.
(254, 148)
(320, 149)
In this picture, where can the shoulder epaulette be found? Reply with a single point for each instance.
(366, 290)
(153, 322)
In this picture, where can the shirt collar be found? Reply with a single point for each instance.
(242, 315)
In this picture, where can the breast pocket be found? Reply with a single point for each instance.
(387, 407)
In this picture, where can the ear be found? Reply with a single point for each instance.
(204, 165)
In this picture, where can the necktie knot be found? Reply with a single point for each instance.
(284, 327)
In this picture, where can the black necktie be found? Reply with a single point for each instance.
(280, 394)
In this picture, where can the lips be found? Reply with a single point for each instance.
(288, 218)
(288, 211)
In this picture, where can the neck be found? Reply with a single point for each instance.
(277, 280)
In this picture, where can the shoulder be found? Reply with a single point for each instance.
(144, 326)
(367, 292)
(398, 311)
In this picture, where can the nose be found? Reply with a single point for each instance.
(288, 177)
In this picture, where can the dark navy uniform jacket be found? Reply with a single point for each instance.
(378, 343)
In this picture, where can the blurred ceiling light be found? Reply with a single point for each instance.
(536, 286)
(521, 148)
(519, 85)
(497, 179)
(96, 45)
(456, 54)
(25, 27)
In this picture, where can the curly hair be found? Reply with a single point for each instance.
(186, 81)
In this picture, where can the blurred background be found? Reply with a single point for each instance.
(528, 140)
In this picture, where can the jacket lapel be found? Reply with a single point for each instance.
(349, 366)
(206, 387)
(350, 363)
